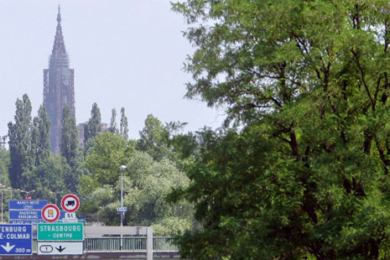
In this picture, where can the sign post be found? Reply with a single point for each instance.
(15, 239)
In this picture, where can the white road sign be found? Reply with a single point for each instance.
(60, 248)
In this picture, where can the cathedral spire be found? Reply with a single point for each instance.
(59, 55)
(59, 14)
(58, 90)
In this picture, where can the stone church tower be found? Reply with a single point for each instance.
(58, 91)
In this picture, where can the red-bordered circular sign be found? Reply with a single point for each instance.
(70, 203)
(50, 213)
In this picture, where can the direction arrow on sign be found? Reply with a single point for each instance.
(8, 247)
(60, 248)
(15, 239)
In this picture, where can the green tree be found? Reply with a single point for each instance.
(307, 84)
(113, 128)
(92, 128)
(69, 136)
(124, 127)
(106, 154)
(146, 184)
(70, 151)
(48, 176)
(19, 134)
(154, 138)
(4, 164)
(40, 142)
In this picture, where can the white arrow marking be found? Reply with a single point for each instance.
(8, 247)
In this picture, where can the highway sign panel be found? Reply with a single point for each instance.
(50, 213)
(25, 214)
(60, 231)
(60, 248)
(15, 239)
(27, 204)
(34, 221)
(121, 209)
(70, 203)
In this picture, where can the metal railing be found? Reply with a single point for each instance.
(112, 244)
(164, 244)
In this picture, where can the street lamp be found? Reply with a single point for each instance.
(122, 212)
(55, 194)
(27, 192)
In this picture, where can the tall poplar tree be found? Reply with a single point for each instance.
(92, 128)
(113, 128)
(40, 142)
(19, 133)
(124, 127)
(69, 137)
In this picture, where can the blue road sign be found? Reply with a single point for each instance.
(121, 209)
(15, 239)
(27, 204)
(25, 214)
(29, 216)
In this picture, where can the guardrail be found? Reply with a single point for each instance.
(112, 244)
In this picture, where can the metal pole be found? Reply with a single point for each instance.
(149, 243)
(121, 207)
(121, 196)
(2, 207)
(122, 213)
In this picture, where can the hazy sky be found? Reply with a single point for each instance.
(125, 53)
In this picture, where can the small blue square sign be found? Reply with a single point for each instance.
(15, 239)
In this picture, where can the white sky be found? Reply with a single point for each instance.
(125, 53)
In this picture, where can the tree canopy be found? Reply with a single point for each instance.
(307, 85)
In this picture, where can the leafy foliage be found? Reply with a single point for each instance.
(307, 84)
(124, 125)
(69, 137)
(92, 128)
(19, 134)
(41, 136)
(154, 138)
(113, 129)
